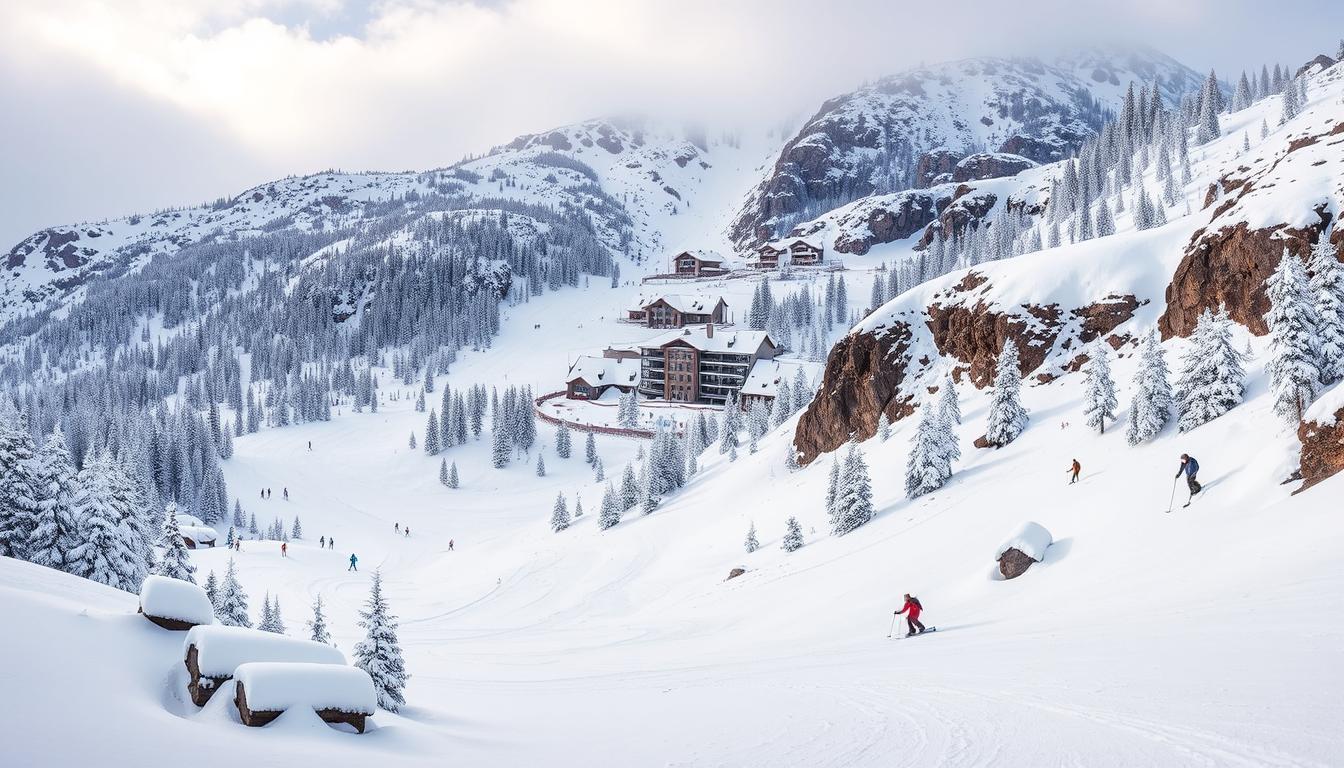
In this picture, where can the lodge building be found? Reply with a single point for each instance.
(697, 365)
(698, 263)
(677, 310)
(800, 252)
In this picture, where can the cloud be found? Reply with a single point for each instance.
(259, 88)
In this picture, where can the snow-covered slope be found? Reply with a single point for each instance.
(908, 129)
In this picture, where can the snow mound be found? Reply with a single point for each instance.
(175, 599)
(278, 686)
(221, 650)
(1032, 539)
(200, 534)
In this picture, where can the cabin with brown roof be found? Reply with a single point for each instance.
(675, 310)
(698, 263)
(590, 377)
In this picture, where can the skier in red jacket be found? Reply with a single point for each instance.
(912, 609)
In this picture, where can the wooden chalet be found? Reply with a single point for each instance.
(677, 310)
(698, 263)
(801, 252)
(590, 377)
(699, 365)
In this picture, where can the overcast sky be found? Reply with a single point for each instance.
(112, 107)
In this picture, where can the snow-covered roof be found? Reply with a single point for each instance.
(604, 370)
(682, 302)
(783, 244)
(220, 649)
(766, 375)
(276, 686)
(704, 255)
(722, 341)
(185, 519)
(199, 533)
(175, 599)
(1032, 539)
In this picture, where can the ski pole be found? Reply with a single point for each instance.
(1172, 500)
(893, 625)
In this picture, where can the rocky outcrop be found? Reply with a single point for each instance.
(862, 381)
(935, 166)
(1229, 268)
(888, 218)
(1322, 452)
(967, 210)
(990, 165)
(975, 335)
(734, 573)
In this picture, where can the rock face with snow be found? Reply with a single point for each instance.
(915, 128)
(337, 694)
(1321, 435)
(1276, 199)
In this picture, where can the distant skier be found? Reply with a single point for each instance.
(1075, 469)
(284, 549)
(263, 493)
(310, 445)
(450, 545)
(396, 527)
(331, 543)
(353, 561)
(322, 542)
(1191, 468)
(912, 609)
(286, 490)
(408, 531)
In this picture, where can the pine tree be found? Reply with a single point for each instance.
(648, 490)
(212, 589)
(559, 514)
(1150, 408)
(1099, 400)
(729, 424)
(854, 499)
(1007, 417)
(629, 488)
(1294, 365)
(563, 441)
(578, 507)
(1327, 289)
(108, 551)
(949, 405)
(411, 442)
(270, 616)
(1212, 379)
(296, 530)
(610, 513)
(793, 537)
(174, 561)
(432, 443)
(452, 475)
(833, 493)
(379, 653)
(752, 543)
(541, 465)
(929, 464)
(443, 472)
(317, 626)
(232, 605)
(54, 529)
(883, 427)
(1210, 104)
(501, 448)
(19, 488)
(590, 449)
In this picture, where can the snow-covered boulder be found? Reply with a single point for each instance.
(1027, 546)
(212, 653)
(175, 604)
(338, 694)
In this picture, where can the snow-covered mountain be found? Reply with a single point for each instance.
(919, 127)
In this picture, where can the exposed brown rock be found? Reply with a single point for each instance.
(1106, 315)
(975, 335)
(175, 625)
(933, 164)
(904, 215)
(1014, 563)
(863, 377)
(968, 208)
(1322, 452)
(733, 574)
(990, 165)
(1229, 267)
(257, 718)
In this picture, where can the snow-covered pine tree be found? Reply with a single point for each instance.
(752, 543)
(443, 472)
(1212, 379)
(317, 626)
(501, 444)
(729, 424)
(432, 444)
(1150, 408)
(563, 441)
(452, 475)
(648, 490)
(379, 653)
(1099, 400)
(108, 551)
(55, 527)
(590, 449)
(1210, 101)
(883, 427)
(949, 405)
(212, 589)
(174, 561)
(793, 536)
(928, 465)
(541, 465)
(833, 493)
(610, 513)
(578, 507)
(19, 492)
(1327, 289)
(629, 488)
(854, 499)
(296, 530)
(411, 443)
(559, 514)
(1294, 345)
(232, 605)
(1007, 417)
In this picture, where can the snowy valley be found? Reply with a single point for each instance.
(621, 445)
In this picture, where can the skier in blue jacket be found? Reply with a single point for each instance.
(1190, 467)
